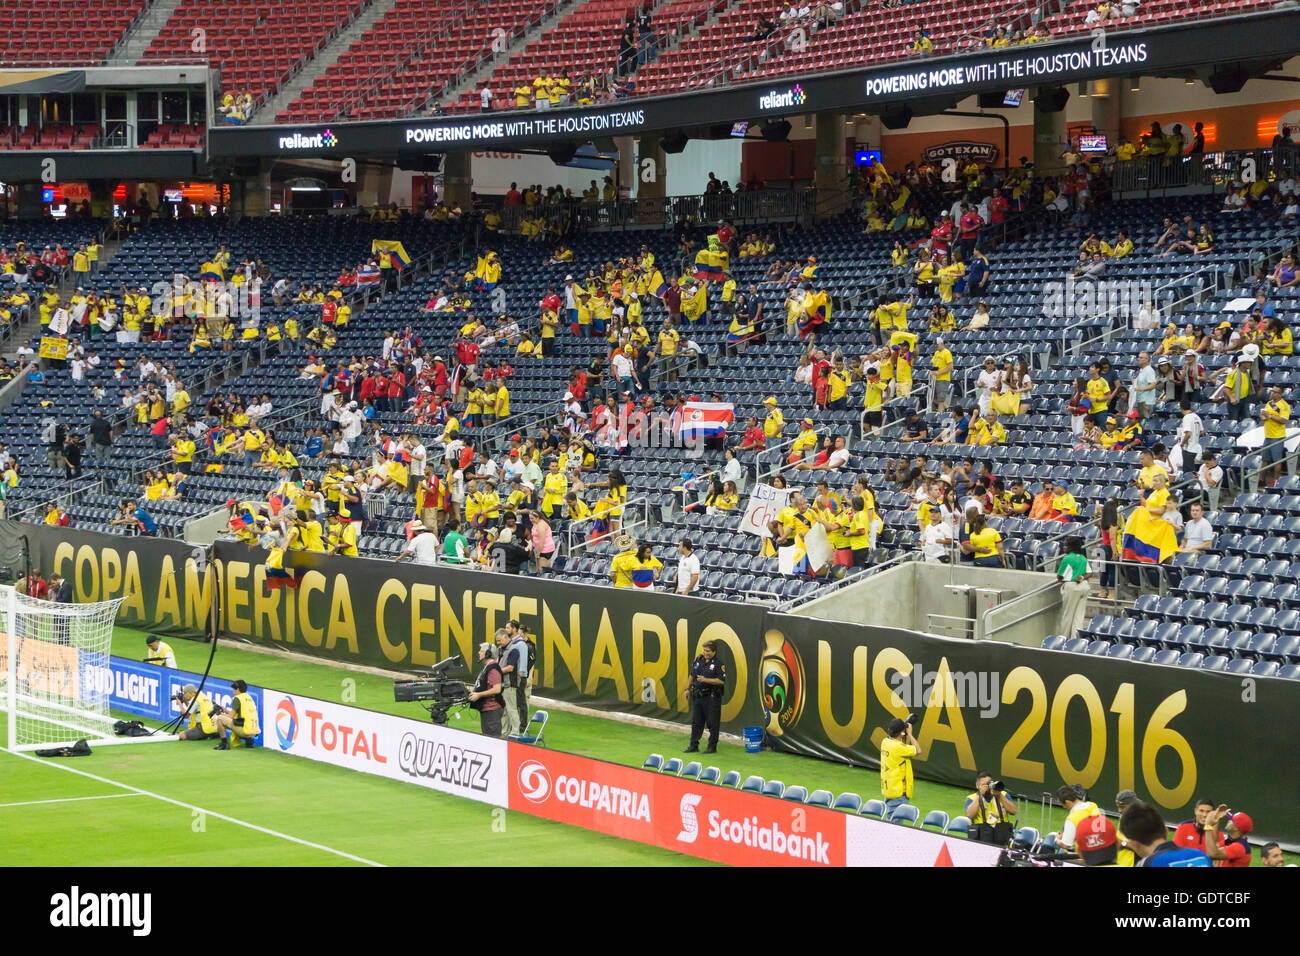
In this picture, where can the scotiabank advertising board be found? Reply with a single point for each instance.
(717, 823)
(451, 761)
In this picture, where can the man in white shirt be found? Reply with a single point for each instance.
(485, 97)
(1210, 475)
(688, 568)
(1190, 433)
(1197, 533)
(419, 455)
(936, 540)
(987, 383)
(25, 352)
(422, 548)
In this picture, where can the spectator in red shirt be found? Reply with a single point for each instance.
(348, 278)
(997, 208)
(551, 302)
(1235, 851)
(439, 377)
(367, 390)
(467, 352)
(60, 256)
(942, 233)
(33, 585)
(514, 197)
(821, 370)
(159, 432)
(396, 385)
(673, 302)
(970, 224)
(328, 311)
(1191, 833)
(755, 437)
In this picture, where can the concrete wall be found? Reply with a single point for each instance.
(928, 597)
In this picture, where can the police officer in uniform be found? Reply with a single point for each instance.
(708, 675)
(240, 720)
(202, 725)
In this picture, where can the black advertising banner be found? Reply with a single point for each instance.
(618, 649)
(925, 83)
(1037, 719)
(166, 585)
(42, 81)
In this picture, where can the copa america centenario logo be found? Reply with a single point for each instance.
(780, 683)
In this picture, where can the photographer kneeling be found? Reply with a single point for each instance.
(240, 720)
(203, 725)
(486, 695)
(988, 809)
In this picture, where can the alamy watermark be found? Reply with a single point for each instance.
(187, 298)
(970, 689)
(1080, 299)
(78, 909)
(642, 429)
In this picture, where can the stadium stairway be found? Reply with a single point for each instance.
(292, 88)
(471, 81)
(142, 33)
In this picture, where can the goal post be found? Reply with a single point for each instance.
(53, 684)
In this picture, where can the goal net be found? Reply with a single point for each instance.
(55, 681)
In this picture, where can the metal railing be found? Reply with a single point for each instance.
(987, 629)
(1215, 170)
(1173, 305)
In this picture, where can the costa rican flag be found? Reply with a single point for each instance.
(367, 276)
(706, 418)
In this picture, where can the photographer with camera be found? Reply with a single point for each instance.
(486, 695)
(708, 675)
(240, 719)
(896, 763)
(515, 660)
(989, 809)
(203, 725)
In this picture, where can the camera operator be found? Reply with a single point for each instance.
(896, 763)
(486, 695)
(1077, 809)
(203, 725)
(988, 809)
(160, 652)
(708, 675)
(240, 720)
(515, 660)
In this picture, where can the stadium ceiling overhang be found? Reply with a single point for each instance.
(1175, 49)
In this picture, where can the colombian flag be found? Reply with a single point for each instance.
(708, 265)
(794, 559)
(1147, 539)
(658, 286)
(212, 469)
(396, 251)
(211, 271)
(816, 310)
(643, 577)
(244, 518)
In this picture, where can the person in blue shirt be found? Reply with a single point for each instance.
(314, 445)
(35, 376)
(134, 515)
(1148, 838)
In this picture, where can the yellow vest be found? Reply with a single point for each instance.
(201, 714)
(248, 712)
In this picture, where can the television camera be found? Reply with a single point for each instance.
(436, 690)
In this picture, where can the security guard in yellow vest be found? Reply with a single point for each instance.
(202, 723)
(240, 720)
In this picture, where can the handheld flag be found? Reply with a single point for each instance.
(396, 251)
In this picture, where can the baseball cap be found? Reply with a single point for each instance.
(897, 725)
(770, 400)
(1126, 798)
(1243, 822)
(190, 689)
(1095, 839)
